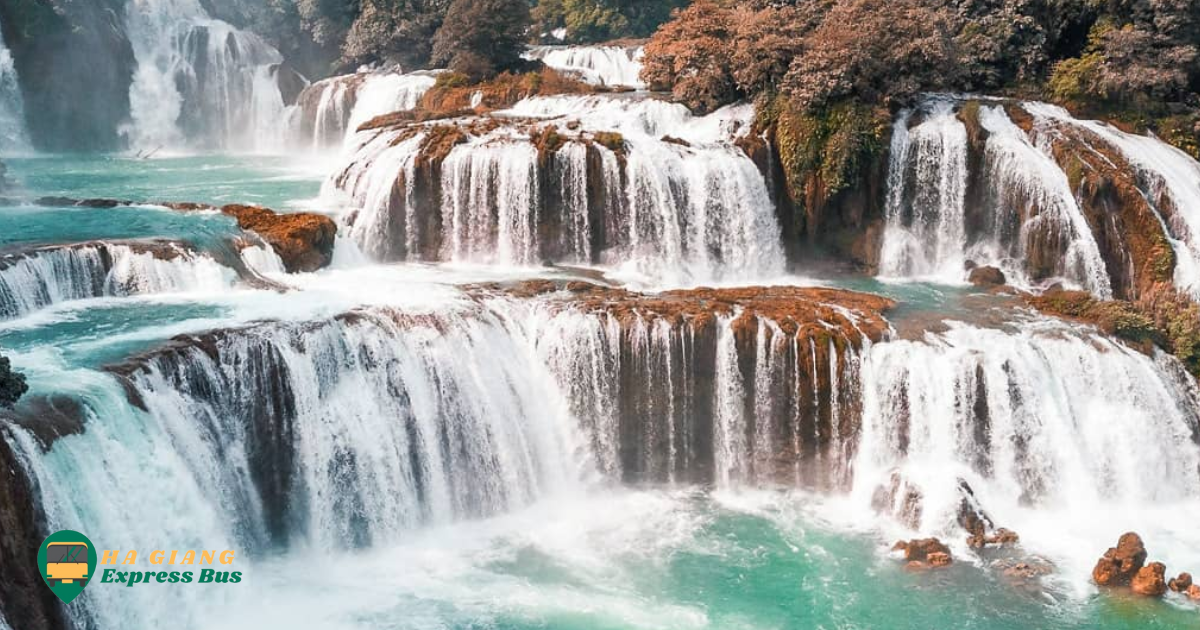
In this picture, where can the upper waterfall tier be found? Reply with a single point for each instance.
(328, 112)
(1041, 195)
(613, 66)
(588, 179)
(200, 82)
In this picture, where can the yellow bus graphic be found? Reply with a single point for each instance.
(66, 562)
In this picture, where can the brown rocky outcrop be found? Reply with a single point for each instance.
(987, 277)
(303, 240)
(922, 552)
(1122, 563)
(25, 602)
(1150, 580)
(1180, 584)
(1193, 592)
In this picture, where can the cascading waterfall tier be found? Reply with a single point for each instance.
(632, 182)
(1037, 415)
(200, 83)
(967, 185)
(1165, 185)
(328, 112)
(614, 66)
(730, 387)
(32, 280)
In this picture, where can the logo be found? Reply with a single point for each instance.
(67, 560)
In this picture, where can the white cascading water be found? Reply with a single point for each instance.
(37, 279)
(262, 438)
(1027, 203)
(1051, 425)
(614, 66)
(13, 134)
(200, 83)
(330, 111)
(927, 237)
(1028, 186)
(690, 210)
(1163, 170)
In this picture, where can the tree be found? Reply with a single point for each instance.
(875, 51)
(399, 31)
(482, 37)
(12, 384)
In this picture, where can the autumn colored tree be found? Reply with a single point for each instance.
(482, 37)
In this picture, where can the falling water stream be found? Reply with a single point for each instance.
(389, 443)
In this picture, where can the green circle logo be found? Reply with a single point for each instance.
(67, 560)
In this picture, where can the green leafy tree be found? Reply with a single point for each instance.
(12, 384)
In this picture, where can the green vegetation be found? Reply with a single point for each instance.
(12, 384)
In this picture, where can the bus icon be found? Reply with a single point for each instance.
(66, 562)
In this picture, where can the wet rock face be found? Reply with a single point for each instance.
(1180, 584)
(924, 552)
(303, 240)
(1150, 580)
(1122, 563)
(75, 65)
(25, 602)
(987, 277)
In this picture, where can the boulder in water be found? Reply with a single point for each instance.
(987, 277)
(303, 240)
(1193, 592)
(1150, 580)
(1180, 584)
(1121, 563)
(927, 551)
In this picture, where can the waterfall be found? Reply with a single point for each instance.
(615, 66)
(13, 135)
(1017, 211)
(688, 208)
(34, 280)
(1045, 418)
(1170, 180)
(927, 186)
(1023, 179)
(199, 83)
(330, 111)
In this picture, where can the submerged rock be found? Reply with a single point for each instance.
(1122, 563)
(1150, 580)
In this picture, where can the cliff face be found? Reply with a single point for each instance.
(76, 66)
